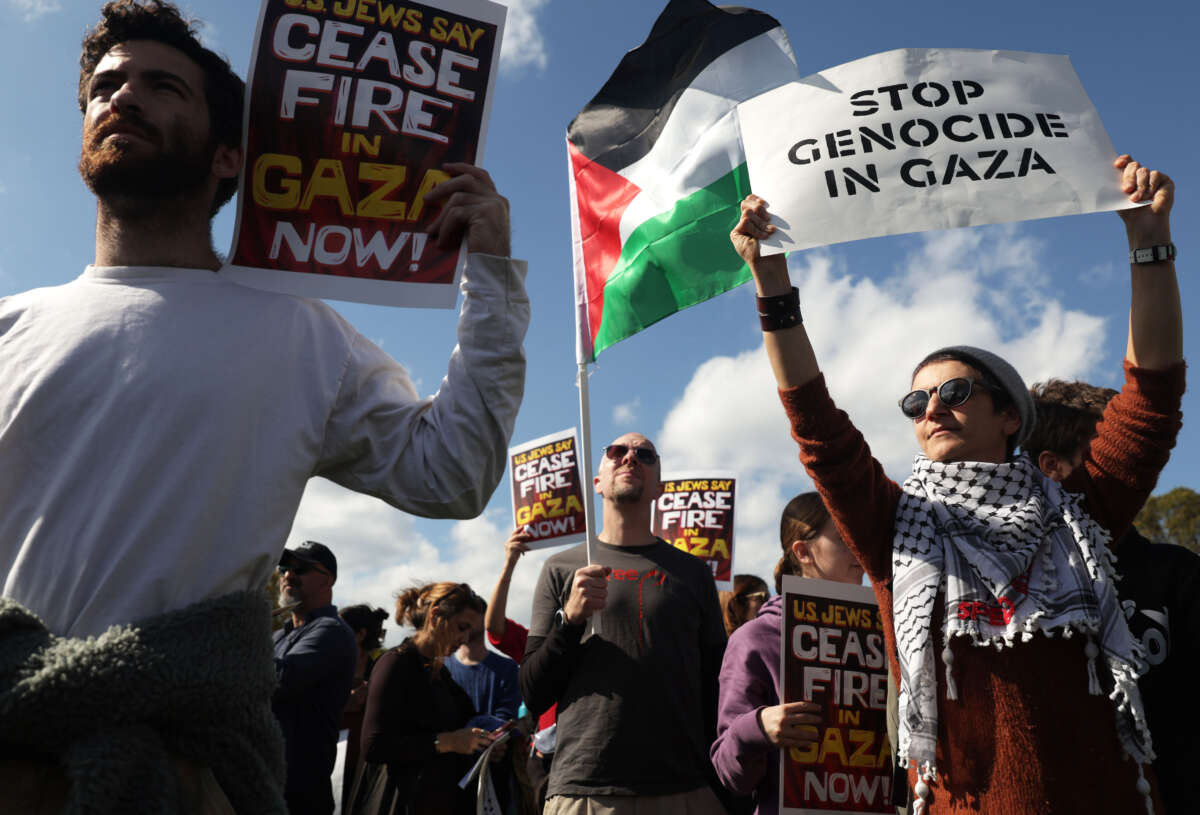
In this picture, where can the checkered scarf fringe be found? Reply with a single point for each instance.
(1013, 543)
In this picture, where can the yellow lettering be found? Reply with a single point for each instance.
(573, 504)
(328, 181)
(289, 188)
(363, 12)
(865, 740)
(457, 35)
(832, 744)
(432, 179)
(377, 204)
(808, 753)
(437, 32)
(720, 548)
(391, 15)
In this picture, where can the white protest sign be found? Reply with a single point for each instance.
(695, 514)
(352, 112)
(832, 652)
(547, 489)
(926, 138)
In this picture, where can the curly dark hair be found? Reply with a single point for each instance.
(1067, 413)
(224, 92)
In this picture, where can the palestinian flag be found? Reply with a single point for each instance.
(657, 168)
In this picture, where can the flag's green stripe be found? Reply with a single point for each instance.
(675, 260)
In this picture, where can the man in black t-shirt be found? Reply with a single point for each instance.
(1159, 590)
(636, 699)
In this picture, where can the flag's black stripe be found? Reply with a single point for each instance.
(623, 120)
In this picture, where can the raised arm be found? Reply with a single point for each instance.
(1155, 315)
(494, 619)
(788, 349)
(441, 457)
(1134, 439)
(859, 495)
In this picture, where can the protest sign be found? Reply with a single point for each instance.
(352, 108)
(695, 514)
(919, 139)
(547, 489)
(833, 653)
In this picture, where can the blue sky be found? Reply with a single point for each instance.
(1052, 295)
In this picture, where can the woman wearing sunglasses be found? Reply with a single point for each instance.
(978, 549)
(752, 726)
(741, 605)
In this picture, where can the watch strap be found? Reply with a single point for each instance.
(1153, 254)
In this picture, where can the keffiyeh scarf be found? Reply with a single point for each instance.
(1013, 554)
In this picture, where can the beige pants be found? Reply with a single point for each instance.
(42, 788)
(696, 802)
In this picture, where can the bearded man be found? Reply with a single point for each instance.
(637, 702)
(158, 425)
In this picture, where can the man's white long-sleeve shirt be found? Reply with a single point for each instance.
(158, 427)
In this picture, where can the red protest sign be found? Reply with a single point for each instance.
(695, 514)
(547, 490)
(833, 653)
(353, 107)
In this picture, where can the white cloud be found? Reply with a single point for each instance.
(380, 551)
(976, 287)
(30, 10)
(524, 45)
(627, 413)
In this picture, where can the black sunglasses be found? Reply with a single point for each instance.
(300, 568)
(952, 392)
(643, 454)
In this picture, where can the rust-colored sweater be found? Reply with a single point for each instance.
(1025, 737)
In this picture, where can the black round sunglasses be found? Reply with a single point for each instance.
(952, 392)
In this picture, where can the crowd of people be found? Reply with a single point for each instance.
(420, 713)
(141, 672)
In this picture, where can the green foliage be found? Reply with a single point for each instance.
(1173, 517)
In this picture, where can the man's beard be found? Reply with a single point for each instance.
(627, 493)
(117, 172)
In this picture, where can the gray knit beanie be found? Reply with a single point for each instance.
(1003, 373)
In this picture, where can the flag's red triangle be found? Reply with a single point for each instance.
(601, 198)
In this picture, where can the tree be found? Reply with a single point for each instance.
(1173, 517)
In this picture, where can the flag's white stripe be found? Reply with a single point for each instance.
(700, 141)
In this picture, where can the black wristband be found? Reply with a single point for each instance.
(779, 312)
(1153, 254)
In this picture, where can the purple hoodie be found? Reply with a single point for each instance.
(743, 758)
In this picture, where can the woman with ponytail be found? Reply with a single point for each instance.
(415, 737)
(752, 726)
